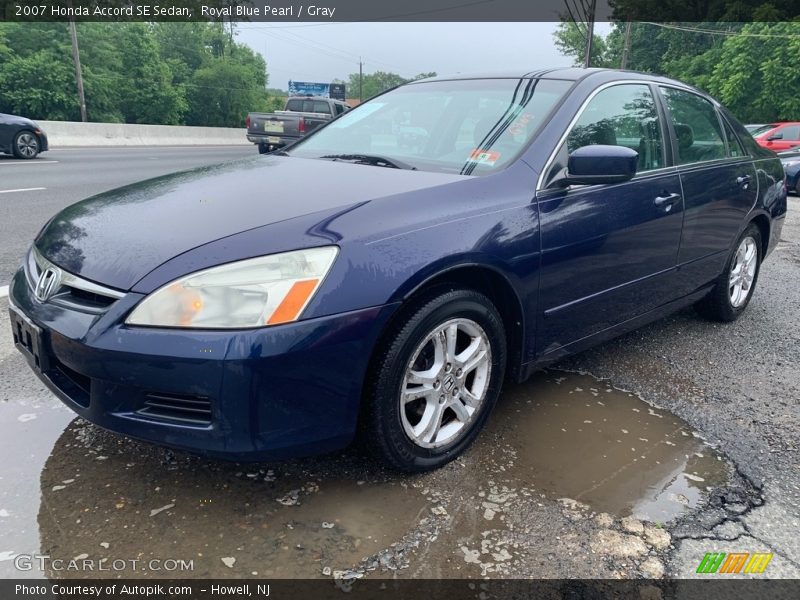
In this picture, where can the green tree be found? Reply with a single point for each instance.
(570, 39)
(755, 74)
(147, 93)
(38, 86)
(377, 82)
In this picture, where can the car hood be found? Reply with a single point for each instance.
(14, 119)
(118, 237)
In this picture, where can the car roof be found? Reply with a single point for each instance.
(568, 74)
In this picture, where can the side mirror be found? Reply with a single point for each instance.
(775, 136)
(599, 164)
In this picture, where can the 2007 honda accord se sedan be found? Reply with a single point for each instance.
(385, 275)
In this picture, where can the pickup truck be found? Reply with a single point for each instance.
(302, 115)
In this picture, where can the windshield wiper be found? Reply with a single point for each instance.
(371, 159)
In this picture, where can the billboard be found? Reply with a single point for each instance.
(309, 88)
(337, 91)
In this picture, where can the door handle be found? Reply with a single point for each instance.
(743, 181)
(666, 201)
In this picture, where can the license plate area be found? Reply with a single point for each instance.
(28, 338)
(273, 139)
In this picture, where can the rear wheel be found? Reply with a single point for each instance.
(734, 287)
(263, 149)
(26, 145)
(435, 380)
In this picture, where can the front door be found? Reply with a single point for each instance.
(609, 251)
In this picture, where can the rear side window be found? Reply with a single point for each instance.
(622, 115)
(696, 127)
(339, 108)
(734, 146)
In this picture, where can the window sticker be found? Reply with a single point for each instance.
(484, 157)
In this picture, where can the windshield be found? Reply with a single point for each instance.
(473, 126)
(762, 130)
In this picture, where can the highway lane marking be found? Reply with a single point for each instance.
(3, 291)
(28, 162)
(22, 190)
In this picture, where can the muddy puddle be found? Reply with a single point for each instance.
(70, 490)
(574, 436)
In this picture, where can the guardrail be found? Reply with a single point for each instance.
(69, 133)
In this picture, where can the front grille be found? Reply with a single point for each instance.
(73, 292)
(88, 299)
(191, 410)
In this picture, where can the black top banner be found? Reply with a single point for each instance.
(401, 10)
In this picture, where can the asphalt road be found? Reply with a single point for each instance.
(33, 191)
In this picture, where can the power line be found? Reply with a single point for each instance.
(726, 33)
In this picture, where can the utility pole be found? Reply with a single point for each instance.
(626, 49)
(76, 58)
(587, 61)
(360, 80)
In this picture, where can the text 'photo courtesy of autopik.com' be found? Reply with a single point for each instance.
(441, 299)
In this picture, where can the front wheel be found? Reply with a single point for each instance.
(734, 287)
(26, 145)
(435, 380)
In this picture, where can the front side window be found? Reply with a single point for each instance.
(472, 127)
(622, 115)
(791, 132)
(696, 125)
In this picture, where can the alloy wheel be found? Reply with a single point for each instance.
(743, 272)
(445, 383)
(27, 145)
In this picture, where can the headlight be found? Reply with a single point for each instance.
(268, 290)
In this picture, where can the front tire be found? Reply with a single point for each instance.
(26, 145)
(734, 287)
(435, 379)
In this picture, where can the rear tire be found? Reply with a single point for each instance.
(735, 286)
(263, 149)
(434, 380)
(26, 145)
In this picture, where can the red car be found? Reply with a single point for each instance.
(779, 136)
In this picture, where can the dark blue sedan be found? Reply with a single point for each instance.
(366, 281)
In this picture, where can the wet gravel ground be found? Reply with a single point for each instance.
(739, 385)
(686, 444)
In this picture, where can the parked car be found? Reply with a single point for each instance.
(791, 165)
(303, 114)
(21, 137)
(779, 136)
(277, 306)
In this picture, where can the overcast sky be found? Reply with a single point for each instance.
(325, 51)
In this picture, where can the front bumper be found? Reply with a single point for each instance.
(260, 394)
(44, 144)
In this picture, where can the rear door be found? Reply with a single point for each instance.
(719, 185)
(609, 251)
